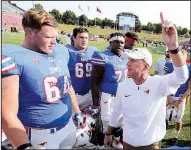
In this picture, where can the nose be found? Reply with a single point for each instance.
(128, 64)
(53, 41)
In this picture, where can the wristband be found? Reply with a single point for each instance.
(107, 134)
(175, 51)
(78, 114)
(24, 146)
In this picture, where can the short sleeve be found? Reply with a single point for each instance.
(98, 59)
(9, 66)
(168, 68)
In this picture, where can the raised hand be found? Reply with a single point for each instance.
(169, 33)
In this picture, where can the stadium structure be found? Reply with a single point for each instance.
(11, 17)
(127, 21)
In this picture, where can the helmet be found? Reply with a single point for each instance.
(84, 133)
(171, 112)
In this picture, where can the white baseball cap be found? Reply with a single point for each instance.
(140, 53)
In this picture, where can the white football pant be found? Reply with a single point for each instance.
(84, 100)
(65, 138)
(106, 103)
(181, 108)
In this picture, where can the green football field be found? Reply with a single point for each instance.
(157, 52)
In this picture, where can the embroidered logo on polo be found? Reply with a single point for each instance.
(147, 91)
(43, 144)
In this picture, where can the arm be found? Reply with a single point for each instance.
(187, 92)
(117, 106)
(74, 100)
(11, 125)
(180, 73)
(97, 74)
(170, 37)
(117, 109)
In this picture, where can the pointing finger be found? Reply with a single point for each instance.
(161, 18)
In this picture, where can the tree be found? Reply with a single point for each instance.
(83, 20)
(38, 6)
(57, 15)
(158, 28)
(69, 17)
(179, 30)
(184, 31)
(150, 27)
(91, 22)
(98, 22)
(190, 32)
(107, 22)
(143, 27)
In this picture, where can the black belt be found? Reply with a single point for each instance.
(58, 128)
(52, 130)
(113, 95)
(82, 94)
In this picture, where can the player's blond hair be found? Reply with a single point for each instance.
(35, 19)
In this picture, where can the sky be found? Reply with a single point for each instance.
(148, 11)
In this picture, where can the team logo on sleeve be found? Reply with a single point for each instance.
(36, 60)
(50, 59)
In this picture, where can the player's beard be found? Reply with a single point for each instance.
(118, 52)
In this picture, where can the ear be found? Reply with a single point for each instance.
(146, 67)
(29, 32)
(73, 38)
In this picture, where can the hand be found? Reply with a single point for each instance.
(169, 100)
(78, 119)
(181, 98)
(107, 141)
(176, 104)
(169, 33)
(93, 111)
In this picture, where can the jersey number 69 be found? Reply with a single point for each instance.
(82, 70)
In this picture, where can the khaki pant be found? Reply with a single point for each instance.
(152, 146)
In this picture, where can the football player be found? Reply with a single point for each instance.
(80, 66)
(37, 96)
(110, 68)
(178, 99)
(130, 40)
